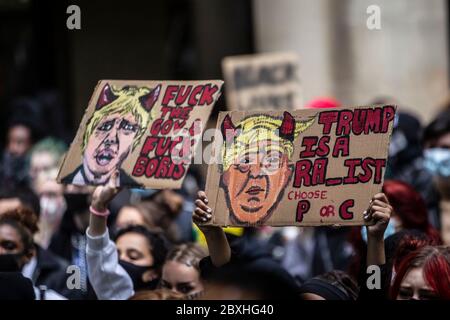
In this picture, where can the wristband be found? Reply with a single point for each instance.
(99, 213)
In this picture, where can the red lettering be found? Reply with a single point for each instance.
(193, 100)
(185, 113)
(302, 195)
(163, 167)
(327, 211)
(341, 145)
(323, 149)
(151, 167)
(373, 121)
(319, 171)
(366, 175)
(182, 96)
(139, 167)
(379, 165)
(156, 127)
(169, 94)
(165, 110)
(359, 117)
(166, 126)
(343, 125)
(178, 125)
(327, 118)
(207, 95)
(351, 164)
(149, 145)
(302, 168)
(388, 116)
(308, 143)
(344, 211)
(162, 146)
(333, 182)
(303, 207)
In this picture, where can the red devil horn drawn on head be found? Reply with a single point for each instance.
(287, 127)
(149, 100)
(228, 129)
(106, 97)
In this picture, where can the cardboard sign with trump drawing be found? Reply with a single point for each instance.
(147, 130)
(265, 81)
(303, 167)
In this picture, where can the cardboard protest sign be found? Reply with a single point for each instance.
(268, 81)
(146, 129)
(304, 167)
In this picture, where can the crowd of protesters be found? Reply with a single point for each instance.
(80, 242)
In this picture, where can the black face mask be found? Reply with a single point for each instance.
(10, 262)
(77, 203)
(136, 273)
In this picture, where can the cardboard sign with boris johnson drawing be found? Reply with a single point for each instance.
(303, 167)
(148, 130)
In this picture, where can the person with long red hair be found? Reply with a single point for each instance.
(409, 215)
(410, 211)
(423, 274)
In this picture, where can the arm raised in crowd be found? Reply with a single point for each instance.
(218, 247)
(100, 199)
(109, 280)
(379, 213)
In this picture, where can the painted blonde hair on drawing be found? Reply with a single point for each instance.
(138, 101)
(248, 133)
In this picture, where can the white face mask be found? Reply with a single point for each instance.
(51, 208)
(437, 161)
(290, 233)
(390, 230)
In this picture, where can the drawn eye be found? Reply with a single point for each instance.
(127, 126)
(272, 160)
(105, 126)
(244, 160)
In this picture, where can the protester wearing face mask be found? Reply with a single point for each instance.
(52, 203)
(16, 244)
(44, 268)
(406, 161)
(436, 141)
(117, 270)
(141, 254)
(45, 156)
(69, 240)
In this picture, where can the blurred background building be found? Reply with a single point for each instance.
(406, 60)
